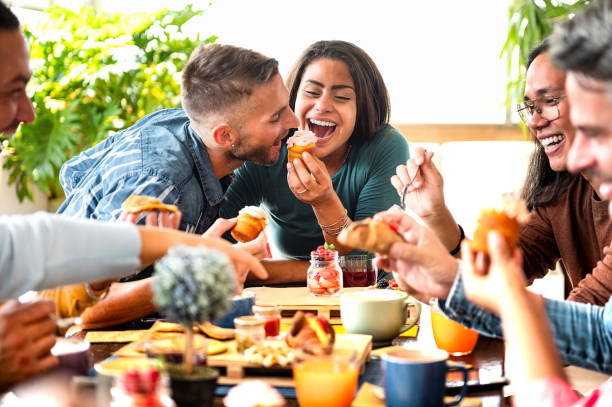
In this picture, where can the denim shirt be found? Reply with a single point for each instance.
(160, 156)
(582, 332)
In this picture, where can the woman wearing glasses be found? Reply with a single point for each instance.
(568, 220)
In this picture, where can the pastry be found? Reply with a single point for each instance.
(301, 141)
(216, 332)
(311, 334)
(371, 235)
(253, 393)
(140, 203)
(504, 218)
(250, 222)
(269, 355)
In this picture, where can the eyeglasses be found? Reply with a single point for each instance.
(547, 107)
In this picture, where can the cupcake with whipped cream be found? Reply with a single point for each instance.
(249, 224)
(300, 142)
(253, 393)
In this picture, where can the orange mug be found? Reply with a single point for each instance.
(451, 336)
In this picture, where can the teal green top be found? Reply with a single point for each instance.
(362, 184)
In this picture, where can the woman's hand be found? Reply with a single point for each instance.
(421, 262)
(309, 180)
(423, 183)
(493, 280)
(422, 188)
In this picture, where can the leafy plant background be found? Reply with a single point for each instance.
(529, 22)
(95, 74)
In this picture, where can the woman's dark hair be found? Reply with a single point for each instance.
(372, 98)
(542, 184)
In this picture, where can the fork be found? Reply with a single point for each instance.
(405, 187)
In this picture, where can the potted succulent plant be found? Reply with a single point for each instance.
(193, 285)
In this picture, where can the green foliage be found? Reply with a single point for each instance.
(529, 22)
(95, 74)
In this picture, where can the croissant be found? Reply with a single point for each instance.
(370, 235)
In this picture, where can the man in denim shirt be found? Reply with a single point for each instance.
(583, 332)
(235, 108)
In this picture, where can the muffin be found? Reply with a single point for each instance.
(249, 224)
(301, 141)
(505, 218)
(253, 393)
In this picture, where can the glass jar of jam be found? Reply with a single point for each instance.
(272, 318)
(249, 332)
(324, 276)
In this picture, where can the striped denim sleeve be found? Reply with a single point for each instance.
(109, 206)
(460, 309)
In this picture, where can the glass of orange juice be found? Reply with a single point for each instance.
(326, 380)
(451, 336)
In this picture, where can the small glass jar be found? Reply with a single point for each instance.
(272, 319)
(324, 276)
(249, 332)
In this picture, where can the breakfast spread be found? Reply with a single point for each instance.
(324, 276)
(311, 334)
(140, 203)
(269, 355)
(300, 142)
(371, 235)
(249, 224)
(505, 218)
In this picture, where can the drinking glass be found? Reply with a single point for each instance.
(452, 336)
(326, 380)
(358, 270)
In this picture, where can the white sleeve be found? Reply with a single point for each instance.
(44, 250)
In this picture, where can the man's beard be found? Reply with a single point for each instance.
(264, 155)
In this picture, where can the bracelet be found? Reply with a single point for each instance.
(336, 231)
(342, 218)
(95, 297)
(461, 237)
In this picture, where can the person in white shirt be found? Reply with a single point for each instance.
(44, 250)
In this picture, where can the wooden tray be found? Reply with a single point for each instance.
(234, 369)
(292, 299)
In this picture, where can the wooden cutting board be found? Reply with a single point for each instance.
(235, 369)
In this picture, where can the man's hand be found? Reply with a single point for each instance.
(421, 262)
(162, 219)
(494, 280)
(27, 334)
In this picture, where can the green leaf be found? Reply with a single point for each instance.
(105, 71)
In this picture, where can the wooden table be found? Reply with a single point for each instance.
(487, 361)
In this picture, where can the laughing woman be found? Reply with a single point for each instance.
(338, 93)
